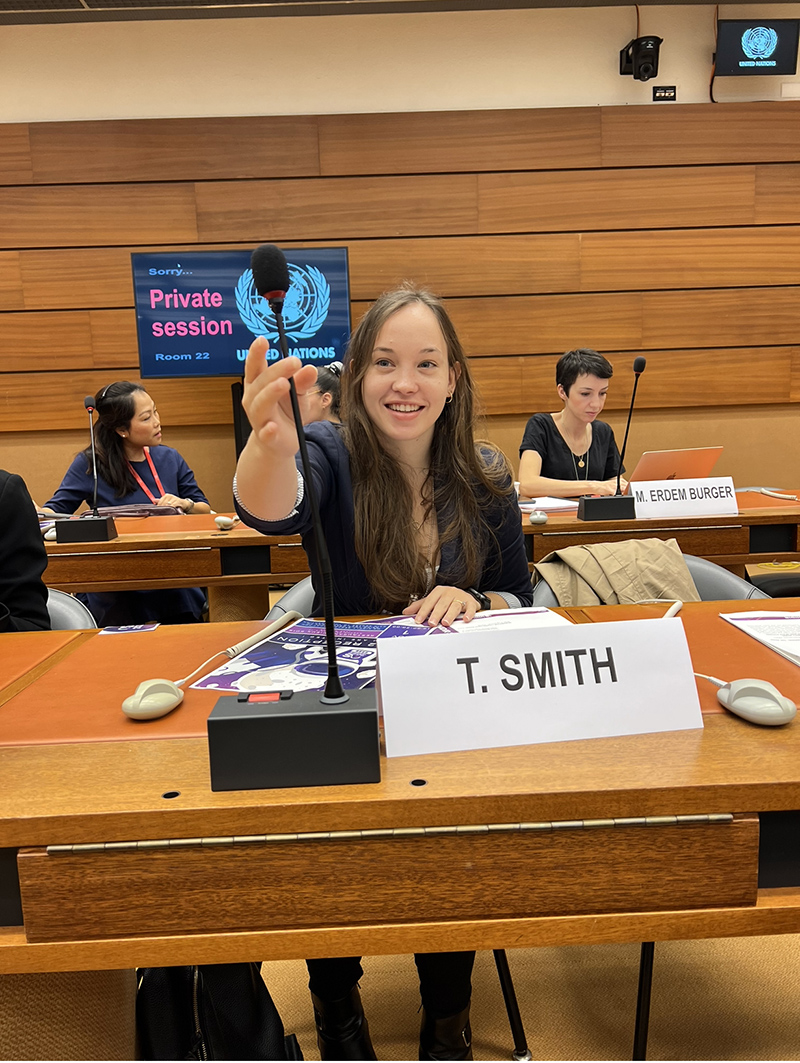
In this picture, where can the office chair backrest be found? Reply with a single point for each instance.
(67, 613)
(300, 597)
(713, 583)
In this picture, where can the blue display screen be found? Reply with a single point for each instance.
(197, 312)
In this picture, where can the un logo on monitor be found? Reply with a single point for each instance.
(759, 42)
(304, 310)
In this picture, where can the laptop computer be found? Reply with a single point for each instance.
(676, 464)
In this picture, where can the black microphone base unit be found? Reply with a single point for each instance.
(607, 507)
(293, 739)
(86, 530)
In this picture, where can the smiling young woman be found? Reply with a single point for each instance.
(572, 452)
(419, 519)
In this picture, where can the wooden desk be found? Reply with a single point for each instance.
(210, 886)
(236, 566)
(764, 530)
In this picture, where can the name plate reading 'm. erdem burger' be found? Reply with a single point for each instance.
(710, 496)
(479, 690)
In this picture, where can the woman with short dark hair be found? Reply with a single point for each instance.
(571, 452)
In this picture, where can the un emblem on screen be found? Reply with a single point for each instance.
(304, 310)
(759, 42)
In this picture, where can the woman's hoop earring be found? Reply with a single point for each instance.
(449, 398)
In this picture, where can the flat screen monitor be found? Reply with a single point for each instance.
(756, 46)
(197, 312)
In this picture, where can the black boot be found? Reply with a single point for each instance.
(342, 1030)
(449, 1038)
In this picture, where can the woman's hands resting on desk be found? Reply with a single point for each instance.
(187, 505)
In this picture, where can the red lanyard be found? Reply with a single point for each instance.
(141, 482)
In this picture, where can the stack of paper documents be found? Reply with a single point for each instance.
(548, 505)
(779, 631)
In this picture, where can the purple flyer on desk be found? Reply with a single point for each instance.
(296, 658)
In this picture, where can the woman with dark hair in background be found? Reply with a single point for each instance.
(133, 467)
(571, 452)
(419, 519)
(323, 399)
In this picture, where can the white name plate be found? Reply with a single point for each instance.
(707, 497)
(478, 690)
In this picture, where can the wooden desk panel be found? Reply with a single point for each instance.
(765, 529)
(187, 551)
(116, 792)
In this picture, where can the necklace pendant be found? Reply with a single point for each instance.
(581, 463)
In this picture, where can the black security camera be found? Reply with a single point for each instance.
(640, 58)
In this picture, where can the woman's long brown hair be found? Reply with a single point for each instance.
(464, 476)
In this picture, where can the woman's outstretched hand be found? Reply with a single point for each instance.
(266, 398)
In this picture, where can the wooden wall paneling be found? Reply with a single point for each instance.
(69, 216)
(72, 278)
(328, 208)
(777, 194)
(59, 398)
(15, 154)
(45, 341)
(690, 258)
(732, 317)
(724, 377)
(11, 285)
(114, 340)
(174, 149)
(794, 378)
(62, 339)
(658, 198)
(693, 134)
(547, 324)
(59, 279)
(511, 385)
(459, 141)
(673, 380)
(468, 265)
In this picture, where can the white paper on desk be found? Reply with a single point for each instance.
(480, 690)
(548, 505)
(511, 619)
(779, 631)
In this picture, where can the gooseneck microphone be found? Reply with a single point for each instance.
(271, 280)
(616, 506)
(638, 368)
(91, 527)
(88, 402)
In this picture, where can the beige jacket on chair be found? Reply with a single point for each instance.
(618, 573)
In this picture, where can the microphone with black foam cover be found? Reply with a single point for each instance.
(270, 274)
(639, 365)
